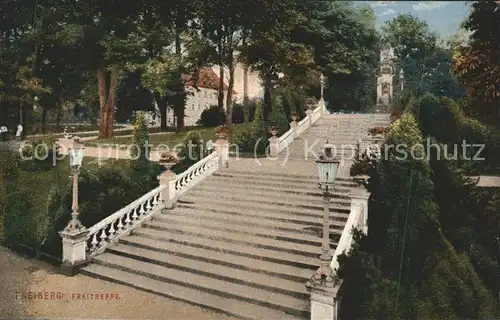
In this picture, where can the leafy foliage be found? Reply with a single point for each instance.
(476, 64)
(212, 117)
(406, 267)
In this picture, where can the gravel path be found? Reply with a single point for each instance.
(64, 296)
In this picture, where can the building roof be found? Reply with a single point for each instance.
(207, 79)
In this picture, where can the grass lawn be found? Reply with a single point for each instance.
(171, 139)
(53, 129)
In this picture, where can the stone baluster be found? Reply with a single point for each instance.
(222, 148)
(166, 179)
(309, 115)
(293, 126)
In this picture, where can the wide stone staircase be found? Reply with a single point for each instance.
(240, 243)
(340, 130)
(245, 240)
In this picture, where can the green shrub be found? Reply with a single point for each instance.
(238, 112)
(212, 117)
(192, 151)
(249, 139)
(140, 137)
(278, 116)
(405, 250)
(39, 155)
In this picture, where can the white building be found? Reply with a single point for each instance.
(385, 80)
(207, 93)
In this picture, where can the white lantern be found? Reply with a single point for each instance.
(327, 167)
(76, 152)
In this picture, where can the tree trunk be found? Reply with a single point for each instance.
(101, 84)
(58, 112)
(246, 102)
(267, 96)
(179, 109)
(220, 97)
(229, 98)
(179, 114)
(220, 48)
(162, 107)
(107, 99)
(43, 120)
(110, 107)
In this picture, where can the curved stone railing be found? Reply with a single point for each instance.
(325, 298)
(316, 114)
(302, 126)
(278, 144)
(110, 229)
(80, 246)
(285, 140)
(356, 220)
(193, 175)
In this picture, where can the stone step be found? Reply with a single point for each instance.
(217, 271)
(196, 202)
(181, 291)
(272, 194)
(300, 216)
(277, 178)
(292, 201)
(277, 240)
(269, 231)
(227, 184)
(222, 256)
(289, 187)
(264, 219)
(242, 248)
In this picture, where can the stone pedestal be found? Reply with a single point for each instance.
(322, 106)
(274, 147)
(324, 302)
(293, 126)
(221, 146)
(166, 179)
(359, 199)
(309, 115)
(74, 250)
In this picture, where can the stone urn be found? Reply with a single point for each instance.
(273, 130)
(222, 132)
(167, 160)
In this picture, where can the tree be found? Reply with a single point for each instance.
(272, 48)
(406, 268)
(414, 45)
(110, 44)
(476, 64)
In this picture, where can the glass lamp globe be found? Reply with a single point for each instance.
(76, 152)
(327, 167)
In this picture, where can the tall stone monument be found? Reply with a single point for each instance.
(385, 88)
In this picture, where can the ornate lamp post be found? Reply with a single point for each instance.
(327, 169)
(321, 80)
(76, 151)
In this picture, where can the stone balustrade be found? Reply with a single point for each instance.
(278, 144)
(109, 230)
(285, 140)
(325, 299)
(80, 246)
(193, 175)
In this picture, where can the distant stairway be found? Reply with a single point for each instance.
(241, 243)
